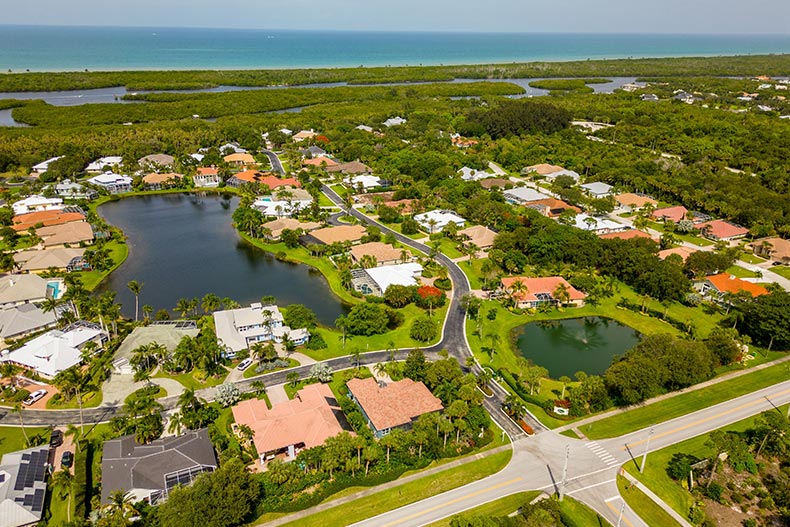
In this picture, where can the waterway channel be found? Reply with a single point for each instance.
(184, 246)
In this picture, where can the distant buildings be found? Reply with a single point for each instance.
(104, 163)
(586, 222)
(550, 172)
(70, 190)
(628, 201)
(394, 121)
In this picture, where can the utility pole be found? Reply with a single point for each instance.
(620, 517)
(565, 471)
(647, 448)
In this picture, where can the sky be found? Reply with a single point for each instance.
(526, 16)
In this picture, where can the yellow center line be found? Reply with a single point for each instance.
(451, 502)
(711, 418)
(626, 520)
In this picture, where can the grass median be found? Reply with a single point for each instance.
(641, 504)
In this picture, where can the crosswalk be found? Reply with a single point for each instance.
(602, 453)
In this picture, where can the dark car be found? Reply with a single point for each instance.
(67, 459)
(777, 263)
(56, 438)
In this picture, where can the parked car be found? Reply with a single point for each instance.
(56, 438)
(67, 459)
(35, 396)
(243, 365)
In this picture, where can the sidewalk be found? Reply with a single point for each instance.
(658, 501)
(700, 386)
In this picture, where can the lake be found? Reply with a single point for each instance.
(580, 344)
(184, 246)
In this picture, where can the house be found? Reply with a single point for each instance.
(156, 181)
(155, 161)
(383, 253)
(629, 201)
(715, 287)
(436, 220)
(17, 289)
(354, 167)
(597, 189)
(674, 214)
(490, 183)
(462, 142)
(44, 260)
(337, 234)
(285, 203)
(550, 172)
(366, 183)
(651, 97)
(167, 333)
(70, 190)
(599, 226)
(103, 163)
(394, 121)
(320, 161)
(56, 350)
(71, 233)
(149, 472)
(394, 405)
(44, 218)
(230, 148)
(531, 292)
(239, 159)
(277, 226)
(112, 183)
(482, 237)
(41, 168)
(262, 178)
(23, 486)
(312, 151)
(376, 280)
(682, 251)
(471, 174)
(238, 329)
(721, 230)
(364, 128)
(306, 421)
(303, 135)
(523, 195)
(36, 203)
(552, 207)
(629, 234)
(26, 319)
(776, 249)
(207, 177)
(198, 157)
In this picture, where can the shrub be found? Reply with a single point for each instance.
(443, 284)
(424, 329)
(316, 342)
(228, 394)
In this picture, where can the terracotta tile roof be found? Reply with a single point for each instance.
(245, 159)
(354, 167)
(265, 178)
(481, 236)
(625, 235)
(45, 217)
(381, 251)
(207, 171)
(342, 233)
(535, 286)
(726, 283)
(671, 213)
(310, 419)
(279, 225)
(320, 161)
(72, 232)
(396, 404)
(721, 229)
(681, 251)
(552, 207)
(407, 204)
(634, 200)
(157, 179)
(544, 169)
(780, 248)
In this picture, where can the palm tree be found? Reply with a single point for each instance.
(9, 371)
(188, 401)
(258, 386)
(64, 479)
(183, 307)
(175, 423)
(210, 303)
(356, 355)
(121, 501)
(17, 409)
(135, 287)
(147, 310)
(73, 432)
(564, 380)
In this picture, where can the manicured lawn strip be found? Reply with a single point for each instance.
(324, 201)
(161, 392)
(782, 270)
(655, 476)
(583, 514)
(690, 238)
(472, 270)
(740, 272)
(250, 372)
(682, 404)
(501, 507)
(191, 382)
(12, 438)
(119, 251)
(89, 400)
(751, 258)
(447, 247)
(641, 504)
(414, 491)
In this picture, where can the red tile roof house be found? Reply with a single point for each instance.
(671, 213)
(395, 405)
(536, 291)
(714, 287)
(262, 178)
(306, 421)
(721, 230)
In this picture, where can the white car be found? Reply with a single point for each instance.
(35, 396)
(243, 365)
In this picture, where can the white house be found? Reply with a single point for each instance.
(470, 174)
(281, 208)
(238, 329)
(436, 220)
(597, 225)
(522, 195)
(113, 183)
(364, 128)
(56, 350)
(394, 121)
(366, 181)
(597, 189)
(44, 165)
(376, 280)
(36, 203)
(97, 167)
(70, 190)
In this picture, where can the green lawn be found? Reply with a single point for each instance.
(89, 400)
(190, 380)
(324, 201)
(448, 247)
(643, 416)
(641, 504)
(690, 238)
(751, 258)
(583, 514)
(782, 270)
(161, 392)
(12, 438)
(472, 270)
(501, 507)
(119, 251)
(250, 372)
(390, 499)
(740, 272)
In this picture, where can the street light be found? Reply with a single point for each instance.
(647, 448)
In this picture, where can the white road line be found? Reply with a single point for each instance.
(591, 486)
(607, 500)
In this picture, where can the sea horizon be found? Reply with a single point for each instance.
(133, 48)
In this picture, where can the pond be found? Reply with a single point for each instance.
(580, 344)
(184, 246)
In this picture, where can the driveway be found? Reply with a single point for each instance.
(120, 386)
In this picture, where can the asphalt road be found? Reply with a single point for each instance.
(277, 165)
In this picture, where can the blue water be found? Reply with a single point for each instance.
(54, 48)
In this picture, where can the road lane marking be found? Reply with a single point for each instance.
(591, 486)
(705, 420)
(451, 502)
(607, 500)
(617, 511)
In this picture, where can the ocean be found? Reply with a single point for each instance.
(56, 48)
